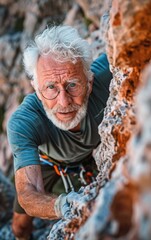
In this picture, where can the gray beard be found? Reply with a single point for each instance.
(81, 113)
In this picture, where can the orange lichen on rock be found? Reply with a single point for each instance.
(77, 222)
(119, 121)
(122, 208)
(129, 33)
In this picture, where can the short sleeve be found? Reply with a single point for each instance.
(23, 141)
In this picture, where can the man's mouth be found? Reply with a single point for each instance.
(66, 115)
(65, 112)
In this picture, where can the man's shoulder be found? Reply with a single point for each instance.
(30, 105)
(100, 91)
(101, 64)
(28, 112)
(31, 102)
(102, 58)
(101, 69)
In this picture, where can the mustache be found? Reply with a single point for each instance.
(71, 108)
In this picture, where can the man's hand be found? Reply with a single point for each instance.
(61, 206)
(63, 203)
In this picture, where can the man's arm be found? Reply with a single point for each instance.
(31, 194)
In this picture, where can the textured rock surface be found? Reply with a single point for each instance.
(139, 164)
(119, 120)
(129, 35)
(92, 10)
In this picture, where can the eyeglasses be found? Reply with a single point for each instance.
(74, 89)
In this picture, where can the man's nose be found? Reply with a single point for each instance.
(63, 98)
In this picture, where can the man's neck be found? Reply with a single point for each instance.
(76, 129)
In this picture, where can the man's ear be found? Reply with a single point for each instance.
(90, 85)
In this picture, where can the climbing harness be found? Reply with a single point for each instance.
(64, 171)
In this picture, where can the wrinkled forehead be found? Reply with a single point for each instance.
(51, 69)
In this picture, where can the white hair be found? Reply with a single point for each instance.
(62, 43)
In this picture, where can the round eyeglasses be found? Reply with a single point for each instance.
(51, 91)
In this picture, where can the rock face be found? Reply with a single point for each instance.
(139, 156)
(129, 37)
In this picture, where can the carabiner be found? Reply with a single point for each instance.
(66, 185)
(81, 174)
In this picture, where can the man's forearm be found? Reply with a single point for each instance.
(31, 194)
(41, 205)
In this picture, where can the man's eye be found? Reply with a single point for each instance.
(51, 87)
(72, 85)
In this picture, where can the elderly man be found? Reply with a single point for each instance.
(56, 128)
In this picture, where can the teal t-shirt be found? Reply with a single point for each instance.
(29, 130)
